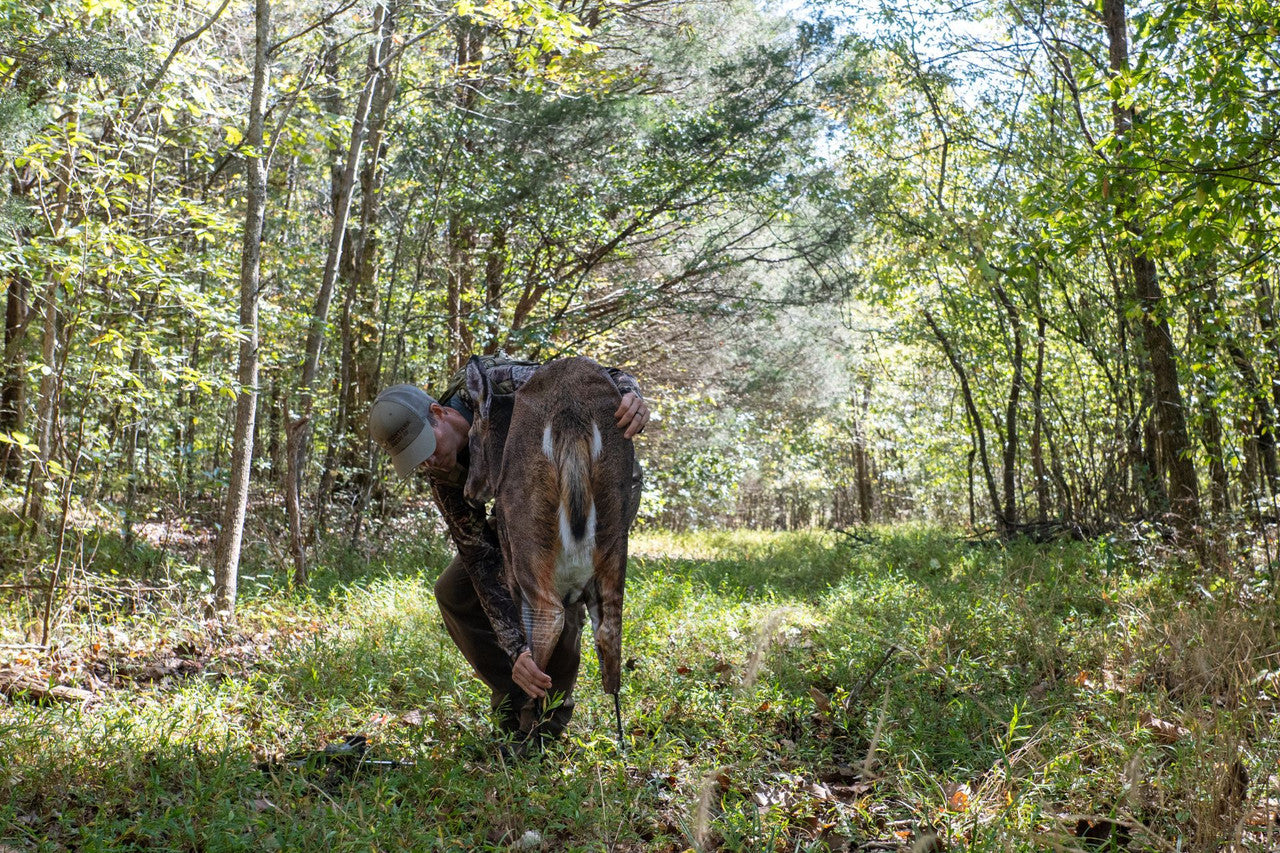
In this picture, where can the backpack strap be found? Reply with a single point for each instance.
(457, 386)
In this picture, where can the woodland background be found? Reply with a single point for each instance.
(958, 320)
(998, 264)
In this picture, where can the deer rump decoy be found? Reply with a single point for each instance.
(560, 485)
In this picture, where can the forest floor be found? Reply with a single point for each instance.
(898, 690)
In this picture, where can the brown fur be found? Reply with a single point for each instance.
(528, 490)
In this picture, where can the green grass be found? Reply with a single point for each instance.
(782, 692)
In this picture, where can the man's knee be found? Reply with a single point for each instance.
(454, 589)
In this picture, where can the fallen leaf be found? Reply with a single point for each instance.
(957, 797)
(1264, 814)
(851, 792)
(1162, 730)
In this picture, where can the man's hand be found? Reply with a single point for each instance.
(632, 415)
(528, 677)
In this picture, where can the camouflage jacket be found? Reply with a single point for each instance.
(471, 529)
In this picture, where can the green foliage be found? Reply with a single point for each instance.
(763, 705)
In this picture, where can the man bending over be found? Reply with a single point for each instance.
(423, 433)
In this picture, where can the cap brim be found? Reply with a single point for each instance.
(419, 451)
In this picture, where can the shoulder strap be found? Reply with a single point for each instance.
(458, 382)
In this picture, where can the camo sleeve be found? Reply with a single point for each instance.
(625, 382)
(506, 378)
(481, 553)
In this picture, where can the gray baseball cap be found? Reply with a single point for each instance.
(398, 423)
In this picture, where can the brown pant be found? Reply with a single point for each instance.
(515, 711)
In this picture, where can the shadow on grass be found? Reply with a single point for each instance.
(121, 793)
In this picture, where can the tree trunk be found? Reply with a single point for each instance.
(460, 231)
(358, 368)
(1067, 504)
(495, 272)
(1152, 459)
(47, 402)
(227, 553)
(1037, 429)
(861, 468)
(187, 477)
(1220, 486)
(1010, 456)
(975, 418)
(1211, 435)
(14, 383)
(1263, 416)
(1184, 492)
(299, 426)
(461, 243)
(1250, 489)
(338, 431)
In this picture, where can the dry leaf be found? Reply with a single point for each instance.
(1264, 814)
(1162, 730)
(851, 792)
(957, 797)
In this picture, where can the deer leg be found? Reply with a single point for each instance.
(543, 616)
(606, 618)
(591, 597)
